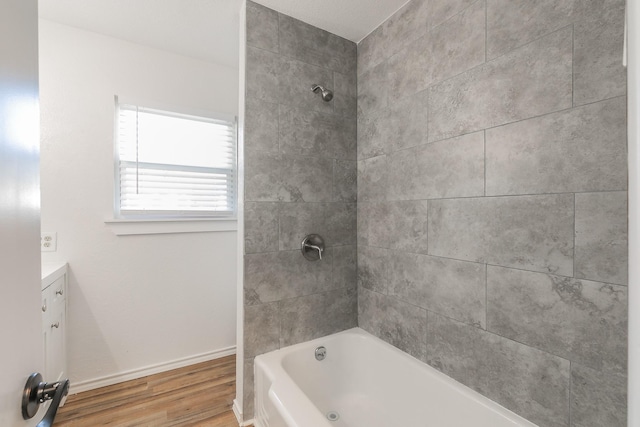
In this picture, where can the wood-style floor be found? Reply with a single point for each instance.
(199, 395)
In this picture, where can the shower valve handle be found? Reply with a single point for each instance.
(312, 247)
(317, 248)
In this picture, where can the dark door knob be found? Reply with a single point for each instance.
(37, 392)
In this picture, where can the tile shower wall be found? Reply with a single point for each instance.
(492, 203)
(300, 178)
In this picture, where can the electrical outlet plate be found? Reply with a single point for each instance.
(48, 241)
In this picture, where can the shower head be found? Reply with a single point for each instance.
(327, 95)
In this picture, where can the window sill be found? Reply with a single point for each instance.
(127, 227)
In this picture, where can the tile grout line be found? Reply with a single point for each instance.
(564, 110)
(480, 196)
(496, 334)
(570, 391)
(428, 234)
(280, 335)
(573, 59)
(573, 257)
(484, 147)
(486, 297)
(499, 56)
(486, 29)
(488, 264)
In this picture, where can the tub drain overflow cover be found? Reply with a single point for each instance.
(333, 416)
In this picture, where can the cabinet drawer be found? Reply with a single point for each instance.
(53, 299)
(58, 289)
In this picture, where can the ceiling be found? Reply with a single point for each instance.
(209, 29)
(351, 19)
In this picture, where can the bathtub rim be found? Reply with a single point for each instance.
(283, 385)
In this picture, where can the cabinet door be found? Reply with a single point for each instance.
(55, 348)
(46, 330)
(54, 330)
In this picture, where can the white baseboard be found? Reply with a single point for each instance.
(149, 370)
(237, 411)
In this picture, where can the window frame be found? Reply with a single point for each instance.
(172, 216)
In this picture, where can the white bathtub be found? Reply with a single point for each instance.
(367, 383)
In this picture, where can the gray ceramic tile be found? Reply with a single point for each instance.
(601, 237)
(373, 181)
(314, 133)
(264, 75)
(400, 125)
(345, 96)
(364, 223)
(408, 225)
(315, 46)
(372, 132)
(598, 70)
(260, 227)
(247, 389)
(513, 23)
(439, 11)
(579, 320)
(306, 179)
(298, 220)
(449, 168)
(345, 175)
(405, 26)
(262, 27)
(294, 83)
(373, 89)
(409, 70)
(313, 316)
(458, 44)
(251, 297)
(346, 147)
(398, 225)
(340, 224)
(528, 232)
(375, 227)
(597, 399)
(274, 276)
(261, 126)
(345, 266)
(531, 383)
(455, 289)
(398, 323)
(599, 10)
(404, 123)
(583, 149)
(262, 177)
(372, 50)
(261, 329)
(287, 178)
(530, 81)
(374, 266)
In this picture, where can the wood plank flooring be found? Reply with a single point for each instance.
(197, 396)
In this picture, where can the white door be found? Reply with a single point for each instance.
(21, 351)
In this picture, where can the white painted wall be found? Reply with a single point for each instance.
(141, 301)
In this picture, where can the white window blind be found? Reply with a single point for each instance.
(172, 164)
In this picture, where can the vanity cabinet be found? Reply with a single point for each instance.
(54, 320)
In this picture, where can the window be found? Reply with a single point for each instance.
(170, 164)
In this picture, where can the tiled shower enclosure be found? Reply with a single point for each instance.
(491, 167)
(300, 178)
